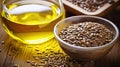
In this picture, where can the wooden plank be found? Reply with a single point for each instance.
(15, 53)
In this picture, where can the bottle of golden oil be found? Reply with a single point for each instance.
(31, 21)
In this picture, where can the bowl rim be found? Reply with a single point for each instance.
(80, 47)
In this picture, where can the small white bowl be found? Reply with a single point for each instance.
(85, 53)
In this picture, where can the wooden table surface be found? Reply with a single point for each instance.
(16, 54)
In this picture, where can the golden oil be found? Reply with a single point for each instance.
(31, 23)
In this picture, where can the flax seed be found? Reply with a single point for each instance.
(0, 50)
(3, 42)
(28, 61)
(33, 63)
(91, 5)
(89, 34)
(16, 65)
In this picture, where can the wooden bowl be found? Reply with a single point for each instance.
(103, 10)
(85, 53)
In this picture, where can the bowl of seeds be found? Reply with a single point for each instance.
(86, 37)
(90, 7)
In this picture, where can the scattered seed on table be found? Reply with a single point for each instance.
(36, 49)
(51, 59)
(36, 58)
(3, 42)
(38, 53)
(28, 61)
(9, 54)
(16, 65)
(33, 63)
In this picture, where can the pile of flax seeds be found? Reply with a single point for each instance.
(86, 34)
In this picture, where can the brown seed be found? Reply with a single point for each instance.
(0, 50)
(41, 65)
(90, 33)
(9, 54)
(38, 53)
(36, 58)
(16, 65)
(90, 5)
(28, 61)
(33, 63)
(36, 49)
(3, 42)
